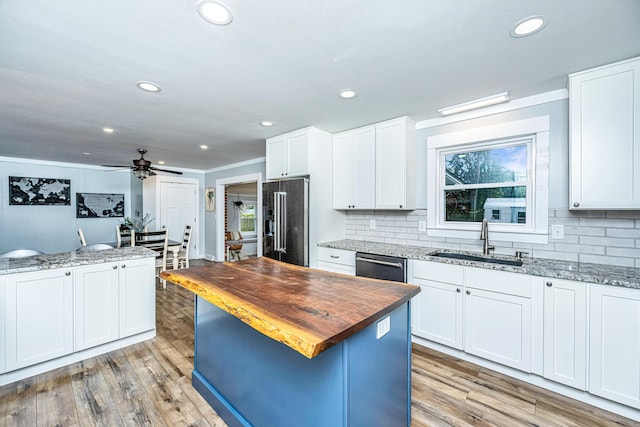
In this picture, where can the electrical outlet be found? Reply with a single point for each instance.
(372, 224)
(557, 231)
(422, 226)
(384, 326)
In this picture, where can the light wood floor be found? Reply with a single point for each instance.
(150, 384)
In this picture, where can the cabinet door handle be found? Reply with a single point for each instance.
(549, 284)
(458, 290)
(576, 204)
(468, 292)
(115, 267)
(68, 273)
(123, 266)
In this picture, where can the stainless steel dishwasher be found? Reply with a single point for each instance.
(381, 267)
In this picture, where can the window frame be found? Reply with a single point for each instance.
(536, 230)
(249, 234)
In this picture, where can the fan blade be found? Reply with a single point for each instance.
(117, 166)
(165, 170)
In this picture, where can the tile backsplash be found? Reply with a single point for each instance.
(601, 237)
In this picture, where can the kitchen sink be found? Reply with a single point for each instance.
(467, 257)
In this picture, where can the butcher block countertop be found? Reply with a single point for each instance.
(306, 309)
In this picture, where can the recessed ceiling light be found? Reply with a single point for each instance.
(528, 26)
(161, 162)
(476, 103)
(108, 130)
(215, 12)
(266, 123)
(347, 93)
(148, 86)
(204, 147)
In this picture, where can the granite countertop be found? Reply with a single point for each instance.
(71, 259)
(306, 309)
(583, 272)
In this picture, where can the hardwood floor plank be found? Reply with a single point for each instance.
(93, 400)
(133, 404)
(55, 402)
(203, 406)
(18, 404)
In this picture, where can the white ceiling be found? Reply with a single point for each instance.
(69, 68)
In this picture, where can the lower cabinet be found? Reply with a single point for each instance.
(614, 344)
(337, 260)
(483, 312)
(52, 313)
(565, 332)
(39, 317)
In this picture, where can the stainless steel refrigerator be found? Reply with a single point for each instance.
(285, 209)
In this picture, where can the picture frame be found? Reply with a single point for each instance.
(31, 191)
(210, 199)
(99, 205)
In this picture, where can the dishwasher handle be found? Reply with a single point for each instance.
(375, 261)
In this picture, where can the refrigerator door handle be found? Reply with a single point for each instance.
(283, 233)
(276, 222)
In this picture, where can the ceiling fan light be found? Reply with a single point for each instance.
(142, 174)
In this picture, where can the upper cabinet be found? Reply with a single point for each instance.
(288, 154)
(605, 137)
(374, 166)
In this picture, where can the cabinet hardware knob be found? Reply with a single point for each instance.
(549, 284)
(68, 273)
(468, 292)
(458, 290)
(400, 206)
(576, 204)
(115, 267)
(123, 266)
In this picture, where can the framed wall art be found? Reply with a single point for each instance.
(210, 199)
(39, 191)
(98, 205)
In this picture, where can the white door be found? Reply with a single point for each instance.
(96, 305)
(298, 154)
(39, 317)
(437, 312)
(615, 344)
(565, 332)
(498, 327)
(276, 157)
(178, 209)
(391, 165)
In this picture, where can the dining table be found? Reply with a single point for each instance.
(172, 245)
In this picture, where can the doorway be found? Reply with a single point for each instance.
(237, 199)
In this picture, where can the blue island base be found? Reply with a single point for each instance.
(252, 380)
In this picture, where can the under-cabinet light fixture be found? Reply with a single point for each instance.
(476, 103)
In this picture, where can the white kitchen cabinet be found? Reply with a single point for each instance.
(3, 366)
(337, 260)
(354, 172)
(605, 137)
(96, 305)
(437, 312)
(288, 154)
(374, 166)
(614, 344)
(395, 164)
(565, 332)
(137, 308)
(39, 316)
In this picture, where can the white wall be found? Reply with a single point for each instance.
(54, 228)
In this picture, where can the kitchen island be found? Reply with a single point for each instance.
(277, 344)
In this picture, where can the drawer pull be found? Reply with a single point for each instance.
(335, 256)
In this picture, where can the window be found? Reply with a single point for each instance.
(247, 219)
(485, 182)
(499, 173)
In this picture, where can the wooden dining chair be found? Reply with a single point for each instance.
(83, 241)
(183, 254)
(158, 242)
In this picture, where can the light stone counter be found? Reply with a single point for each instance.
(71, 259)
(583, 272)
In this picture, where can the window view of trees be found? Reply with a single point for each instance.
(486, 184)
(248, 219)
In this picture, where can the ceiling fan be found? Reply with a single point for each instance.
(142, 167)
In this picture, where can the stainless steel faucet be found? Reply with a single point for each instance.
(484, 235)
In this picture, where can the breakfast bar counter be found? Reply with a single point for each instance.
(277, 344)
